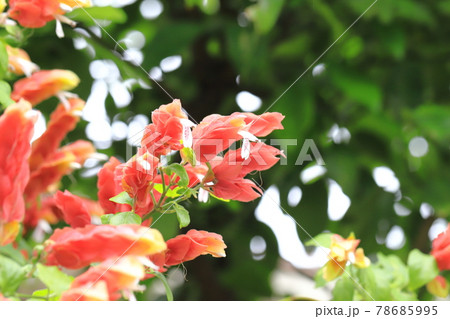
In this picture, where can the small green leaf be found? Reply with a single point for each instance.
(172, 193)
(5, 94)
(188, 155)
(180, 171)
(182, 215)
(3, 60)
(318, 278)
(125, 218)
(89, 15)
(344, 289)
(422, 269)
(11, 275)
(264, 14)
(56, 281)
(321, 240)
(43, 294)
(122, 198)
(105, 219)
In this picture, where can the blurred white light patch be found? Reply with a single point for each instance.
(156, 74)
(100, 133)
(91, 162)
(339, 134)
(135, 40)
(171, 63)
(39, 127)
(134, 56)
(248, 102)
(151, 9)
(438, 226)
(79, 43)
(258, 247)
(120, 94)
(119, 130)
(311, 173)
(136, 130)
(285, 230)
(318, 69)
(104, 70)
(95, 104)
(426, 210)
(401, 210)
(294, 196)
(98, 69)
(418, 146)
(395, 239)
(385, 178)
(338, 202)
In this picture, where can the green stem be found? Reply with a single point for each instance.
(161, 277)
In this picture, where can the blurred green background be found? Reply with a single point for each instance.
(376, 106)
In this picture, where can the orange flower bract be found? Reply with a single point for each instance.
(34, 13)
(105, 281)
(79, 247)
(43, 85)
(75, 213)
(16, 130)
(189, 246)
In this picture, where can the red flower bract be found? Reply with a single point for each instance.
(165, 134)
(62, 121)
(79, 247)
(16, 130)
(74, 211)
(34, 13)
(109, 186)
(441, 249)
(189, 246)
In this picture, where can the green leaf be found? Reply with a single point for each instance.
(180, 171)
(172, 193)
(357, 88)
(5, 94)
(375, 283)
(265, 14)
(188, 155)
(3, 60)
(125, 218)
(422, 269)
(344, 289)
(105, 219)
(53, 278)
(318, 278)
(434, 120)
(182, 215)
(394, 266)
(43, 294)
(89, 15)
(12, 253)
(11, 275)
(321, 240)
(122, 198)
